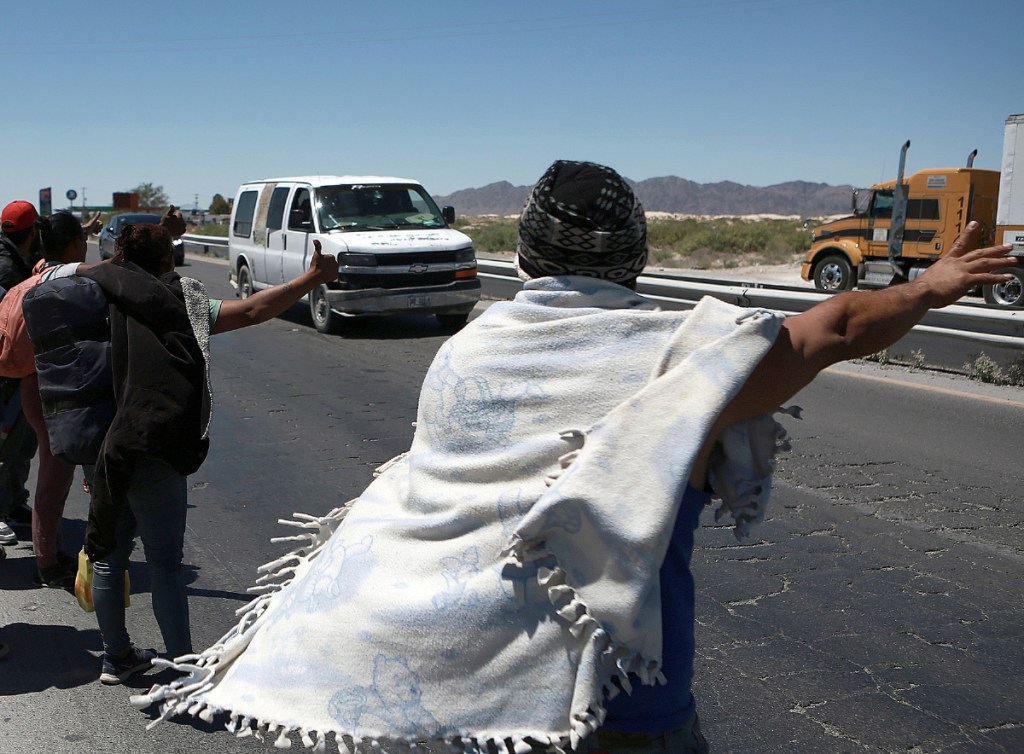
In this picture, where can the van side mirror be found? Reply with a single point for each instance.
(448, 213)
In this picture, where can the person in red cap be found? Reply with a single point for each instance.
(20, 249)
(19, 244)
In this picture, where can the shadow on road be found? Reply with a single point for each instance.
(46, 656)
(384, 327)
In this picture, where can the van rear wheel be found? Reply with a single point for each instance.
(244, 282)
(325, 320)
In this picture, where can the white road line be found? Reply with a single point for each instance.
(838, 369)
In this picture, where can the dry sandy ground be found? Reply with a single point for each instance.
(772, 274)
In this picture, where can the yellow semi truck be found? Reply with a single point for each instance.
(900, 227)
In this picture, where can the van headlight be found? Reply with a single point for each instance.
(465, 264)
(348, 259)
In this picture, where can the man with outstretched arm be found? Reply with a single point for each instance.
(520, 579)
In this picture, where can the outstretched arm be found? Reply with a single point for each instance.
(270, 302)
(859, 323)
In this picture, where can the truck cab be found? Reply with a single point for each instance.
(854, 250)
(396, 250)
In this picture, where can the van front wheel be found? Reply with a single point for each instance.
(324, 319)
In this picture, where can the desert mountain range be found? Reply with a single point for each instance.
(678, 195)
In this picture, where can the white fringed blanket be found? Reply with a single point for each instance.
(491, 582)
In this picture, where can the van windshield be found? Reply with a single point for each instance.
(376, 207)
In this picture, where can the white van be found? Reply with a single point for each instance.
(395, 249)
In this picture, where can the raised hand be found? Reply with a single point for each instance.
(965, 267)
(324, 265)
(93, 225)
(173, 221)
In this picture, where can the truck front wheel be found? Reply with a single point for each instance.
(833, 273)
(1009, 295)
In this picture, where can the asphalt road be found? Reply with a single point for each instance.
(878, 609)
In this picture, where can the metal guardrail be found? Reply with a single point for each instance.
(210, 240)
(216, 246)
(208, 245)
(1005, 328)
(974, 323)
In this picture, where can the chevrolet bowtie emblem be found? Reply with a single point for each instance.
(418, 268)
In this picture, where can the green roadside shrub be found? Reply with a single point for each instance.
(693, 242)
(984, 368)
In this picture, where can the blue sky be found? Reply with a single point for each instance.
(200, 96)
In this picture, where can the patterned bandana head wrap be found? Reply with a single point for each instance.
(582, 219)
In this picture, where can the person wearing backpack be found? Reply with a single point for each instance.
(64, 250)
(160, 325)
(21, 245)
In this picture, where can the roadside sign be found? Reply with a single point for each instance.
(71, 195)
(45, 201)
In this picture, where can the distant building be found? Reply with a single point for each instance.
(126, 201)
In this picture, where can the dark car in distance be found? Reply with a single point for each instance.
(108, 236)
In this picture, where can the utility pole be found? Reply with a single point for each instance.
(84, 216)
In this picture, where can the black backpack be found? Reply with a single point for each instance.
(68, 321)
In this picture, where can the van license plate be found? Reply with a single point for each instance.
(419, 300)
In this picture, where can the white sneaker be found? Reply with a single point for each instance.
(7, 535)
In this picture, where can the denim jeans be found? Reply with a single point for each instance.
(157, 501)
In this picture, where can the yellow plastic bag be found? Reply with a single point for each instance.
(83, 584)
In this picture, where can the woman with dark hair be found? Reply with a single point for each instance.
(160, 325)
(146, 246)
